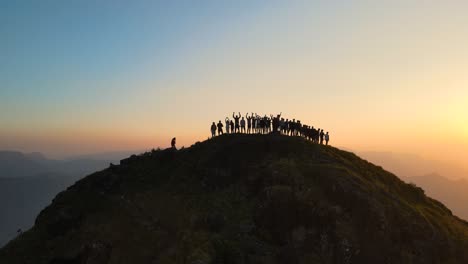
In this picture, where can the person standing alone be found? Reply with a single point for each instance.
(227, 125)
(220, 128)
(213, 130)
(173, 141)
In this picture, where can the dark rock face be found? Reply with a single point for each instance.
(94, 253)
(243, 199)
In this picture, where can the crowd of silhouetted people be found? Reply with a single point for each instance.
(256, 124)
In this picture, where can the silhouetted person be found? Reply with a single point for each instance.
(254, 123)
(262, 125)
(298, 128)
(236, 121)
(242, 125)
(314, 135)
(327, 138)
(232, 127)
(275, 122)
(249, 123)
(227, 125)
(268, 124)
(220, 128)
(213, 130)
(292, 125)
(307, 132)
(173, 142)
(257, 123)
(321, 136)
(282, 125)
(286, 126)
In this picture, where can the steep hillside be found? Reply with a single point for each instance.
(243, 199)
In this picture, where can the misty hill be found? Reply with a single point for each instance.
(110, 155)
(16, 165)
(243, 199)
(451, 189)
(410, 165)
(21, 199)
(29, 181)
(453, 193)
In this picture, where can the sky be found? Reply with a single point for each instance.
(91, 76)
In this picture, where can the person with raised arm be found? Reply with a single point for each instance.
(249, 123)
(236, 121)
(276, 122)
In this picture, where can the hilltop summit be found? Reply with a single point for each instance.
(243, 199)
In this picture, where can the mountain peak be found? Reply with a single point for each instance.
(243, 199)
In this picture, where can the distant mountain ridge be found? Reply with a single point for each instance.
(15, 164)
(410, 165)
(109, 155)
(440, 180)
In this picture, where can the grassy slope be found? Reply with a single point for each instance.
(243, 199)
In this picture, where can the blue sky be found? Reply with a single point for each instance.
(67, 56)
(92, 76)
(52, 42)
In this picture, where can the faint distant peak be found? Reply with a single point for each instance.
(36, 156)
